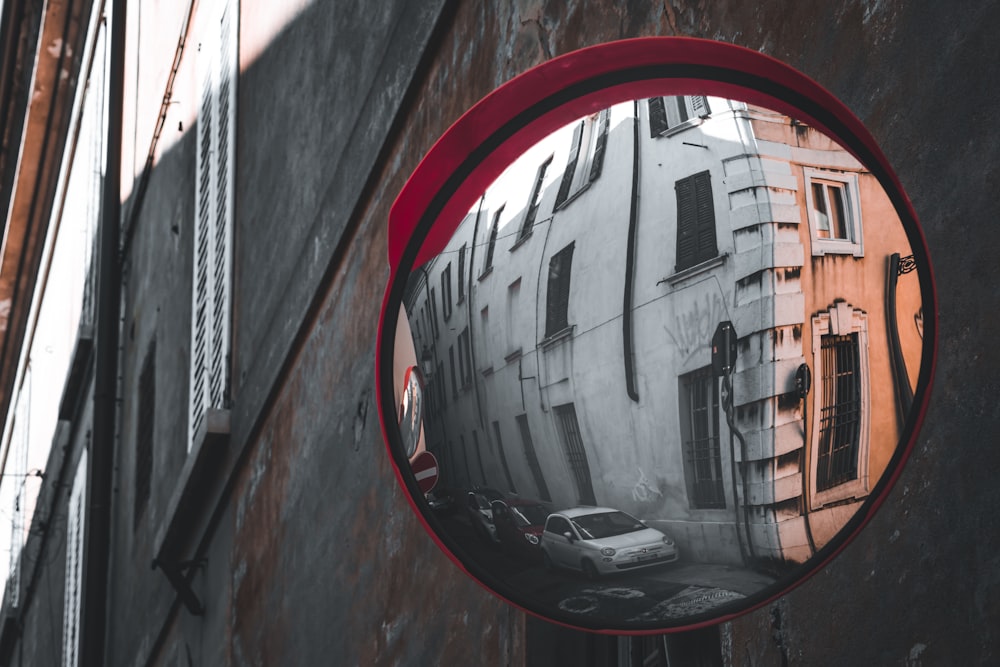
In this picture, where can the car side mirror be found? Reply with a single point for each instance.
(569, 536)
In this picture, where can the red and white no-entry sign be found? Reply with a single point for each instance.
(425, 469)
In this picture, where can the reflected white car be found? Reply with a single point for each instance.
(601, 540)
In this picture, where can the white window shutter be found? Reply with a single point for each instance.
(699, 106)
(74, 565)
(211, 292)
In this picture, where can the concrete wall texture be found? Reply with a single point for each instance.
(308, 552)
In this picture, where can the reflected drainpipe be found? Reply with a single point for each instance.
(633, 223)
(101, 461)
(470, 309)
(901, 379)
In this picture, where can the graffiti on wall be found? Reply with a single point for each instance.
(692, 328)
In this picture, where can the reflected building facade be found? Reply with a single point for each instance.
(565, 331)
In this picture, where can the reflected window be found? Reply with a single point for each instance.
(446, 292)
(557, 300)
(503, 458)
(442, 398)
(451, 365)
(699, 412)
(668, 115)
(465, 460)
(464, 359)
(840, 418)
(433, 314)
(491, 245)
(840, 430)
(536, 196)
(461, 274)
(586, 156)
(695, 221)
(532, 458)
(576, 455)
(479, 460)
(834, 212)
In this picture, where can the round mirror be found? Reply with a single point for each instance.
(660, 310)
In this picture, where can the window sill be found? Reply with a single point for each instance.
(513, 356)
(695, 270)
(521, 241)
(677, 129)
(821, 247)
(192, 494)
(570, 199)
(486, 272)
(558, 337)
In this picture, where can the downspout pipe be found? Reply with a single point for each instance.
(633, 221)
(97, 547)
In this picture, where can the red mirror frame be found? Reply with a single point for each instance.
(488, 137)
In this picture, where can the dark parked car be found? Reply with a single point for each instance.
(480, 513)
(519, 523)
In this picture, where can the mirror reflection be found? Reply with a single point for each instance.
(665, 358)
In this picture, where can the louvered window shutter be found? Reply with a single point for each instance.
(657, 116)
(602, 143)
(574, 156)
(695, 221)
(699, 106)
(74, 565)
(211, 294)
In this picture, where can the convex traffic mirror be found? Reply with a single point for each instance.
(658, 335)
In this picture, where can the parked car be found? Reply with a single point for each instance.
(519, 523)
(601, 540)
(480, 513)
(441, 500)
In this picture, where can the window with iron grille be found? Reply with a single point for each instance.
(217, 68)
(144, 434)
(673, 114)
(840, 416)
(491, 245)
(695, 221)
(536, 196)
(586, 156)
(576, 455)
(557, 294)
(532, 458)
(699, 420)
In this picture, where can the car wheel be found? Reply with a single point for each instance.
(589, 570)
(547, 561)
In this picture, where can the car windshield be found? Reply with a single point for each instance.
(529, 515)
(606, 524)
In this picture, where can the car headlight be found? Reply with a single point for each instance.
(607, 551)
(669, 542)
(532, 539)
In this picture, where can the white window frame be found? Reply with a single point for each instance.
(75, 524)
(848, 181)
(217, 68)
(839, 320)
(696, 107)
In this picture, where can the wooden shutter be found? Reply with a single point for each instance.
(217, 69)
(696, 241)
(602, 143)
(557, 299)
(574, 156)
(657, 116)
